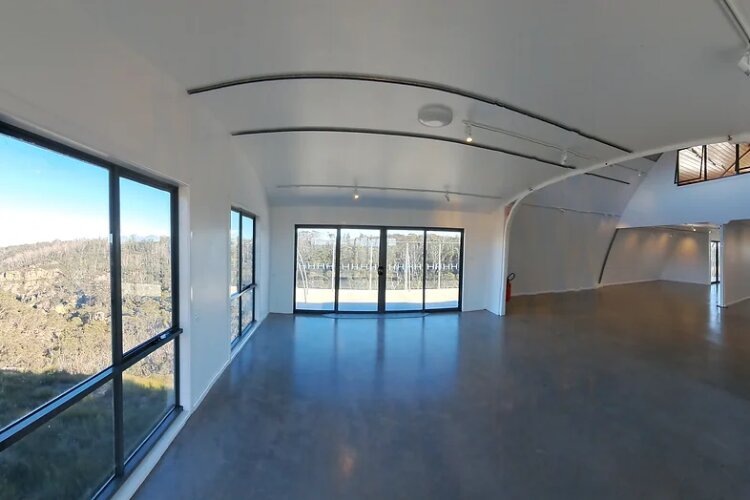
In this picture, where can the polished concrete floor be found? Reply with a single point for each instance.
(636, 391)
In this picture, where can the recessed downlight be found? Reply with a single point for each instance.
(435, 115)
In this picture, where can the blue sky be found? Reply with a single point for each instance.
(46, 196)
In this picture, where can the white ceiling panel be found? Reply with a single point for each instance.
(638, 73)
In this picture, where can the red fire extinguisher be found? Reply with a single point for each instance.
(508, 286)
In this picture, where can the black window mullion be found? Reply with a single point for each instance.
(461, 271)
(335, 269)
(116, 317)
(424, 270)
(255, 229)
(174, 205)
(239, 278)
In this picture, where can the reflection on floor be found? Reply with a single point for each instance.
(636, 391)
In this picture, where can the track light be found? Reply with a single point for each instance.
(447, 197)
(564, 157)
(356, 194)
(469, 138)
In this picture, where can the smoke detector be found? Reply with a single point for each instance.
(435, 115)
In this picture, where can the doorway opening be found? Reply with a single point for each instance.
(714, 256)
(374, 269)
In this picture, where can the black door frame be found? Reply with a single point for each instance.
(382, 262)
(718, 263)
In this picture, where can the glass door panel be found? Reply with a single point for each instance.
(358, 269)
(443, 273)
(315, 288)
(404, 288)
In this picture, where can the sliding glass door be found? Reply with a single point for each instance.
(315, 280)
(443, 269)
(404, 286)
(359, 283)
(377, 269)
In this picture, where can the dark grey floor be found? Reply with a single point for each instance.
(637, 391)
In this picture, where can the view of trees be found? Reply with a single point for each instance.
(241, 275)
(316, 253)
(55, 331)
(408, 257)
(56, 315)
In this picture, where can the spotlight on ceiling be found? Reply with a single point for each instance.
(356, 193)
(447, 197)
(435, 115)
(469, 138)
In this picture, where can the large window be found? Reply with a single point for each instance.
(711, 161)
(242, 272)
(88, 318)
(377, 269)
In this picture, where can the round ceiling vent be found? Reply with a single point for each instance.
(435, 115)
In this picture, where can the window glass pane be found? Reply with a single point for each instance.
(71, 456)
(146, 229)
(234, 251)
(360, 258)
(248, 304)
(148, 394)
(247, 251)
(54, 275)
(690, 164)
(234, 322)
(316, 275)
(720, 160)
(744, 157)
(404, 276)
(443, 269)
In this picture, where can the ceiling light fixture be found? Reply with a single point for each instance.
(447, 197)
(435, 115)
(469, 138)
(356, 193)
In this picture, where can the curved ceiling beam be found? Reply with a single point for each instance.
(412, 135)
(383, 188)
(407, 82)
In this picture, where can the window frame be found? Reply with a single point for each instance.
(703, 177)
(383, 245)
(121, 361)
(242, 290)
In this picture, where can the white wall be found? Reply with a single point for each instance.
(649, 254)
(553, 250)
(63, 74)
(659, 201)
(482, 254)
(736, 262)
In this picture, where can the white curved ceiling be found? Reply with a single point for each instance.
(637, 73)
